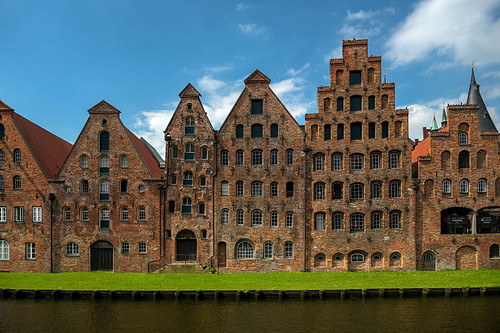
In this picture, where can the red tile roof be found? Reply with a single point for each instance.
(423, 148)
(49, 150)
(147, 157)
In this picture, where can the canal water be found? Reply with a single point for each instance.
(432, 314)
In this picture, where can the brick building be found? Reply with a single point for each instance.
(346, 191)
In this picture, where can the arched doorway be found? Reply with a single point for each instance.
(221, 254)
(101, 256)
(186, 246)
(428, 261)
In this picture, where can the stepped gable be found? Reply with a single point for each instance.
(474, 97)
(149, 160)
(48, 149)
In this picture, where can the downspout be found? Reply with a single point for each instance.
(168, 139)
(306, 207)
(214, 240)
(52, 197)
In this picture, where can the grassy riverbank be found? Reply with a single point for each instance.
(250, 281)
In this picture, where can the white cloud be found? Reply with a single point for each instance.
(215, 69)
(242, 6)
(151, 124)
(336, 53)
(295, 72)
(364, 24)
(291, 92)
(461, 29)
(251, 29)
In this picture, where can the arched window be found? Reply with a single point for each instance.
(464, 186)
(446, 188)
(376, 189)
(4, 250)
(337, 162)
(445, 160)
(124, 213)
(257, 189)
(186, 205)
(356, 162)
(340, 104)
(337, 191)
(481, 185)
(326, 104)
(104, 165)
(257, 157)
(239, 131)
(338, 221)
(376, 220)
(289, 220)
(356, 103)
(224, 158)
(240, 217)
(274, 218)
(72, 249)
(463, 139)
(268, 250)
(17, 182)
(274, 190)
(224, 217)
(123, 161)
(201, 208)
(189, 151)
(203, 181)
(357, 222)
(104, 190)
(244, 250)
(319, 221)
(494, 251)
(239, 188)
(84, 187)
(395, 220)
(224, 188)
(429, 188)
(104, 218)
(289, 157)
(84, 214)
(141, 213)
(319, 161)
(274, 131)
(187, 179)
(189, 127)
(319, 191)
(395, 189)
(256, 131)
(288, 250)
(274, 157)
(463, 159)
(357, 258)
(395, 259)
(123, 186)
(66, 214)
(17, 155)
(257, 217)
(357, 191)
(104, 141)
(84, 162)
(385, 101)
(394, 160)
(239, 157)
(204, 153)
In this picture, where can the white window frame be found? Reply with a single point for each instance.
(240, 217)
(257, 158)
(446, 186)
(274, 218)
(319, 191)
(224, 216)
(289, 157)
(125, 248)
(274, 157)
(224, 158)
(395, 222)
(240, 157)
(464, 186)
(463, 139)
(240, 188)
(356, 162)
(288, 250)
(257, 217)
(4, 250)
(141, 213)
(257, 189)
(84, 214)
(357, 191)
(289, 220)
(394, 160)
(30, 251)
(142, 248)
(481, 185)
(124, 161)
(84, 162)
(72, 249)
(124, 213)
(357, 222)
(18, 215)
(3, 214)
(319, 221)
(268, 251)
(337, 162)
(319, 161)
(244, 250)
(224, 188)
(375, 161)
(273, 189)
(376, 190)
(395, 189)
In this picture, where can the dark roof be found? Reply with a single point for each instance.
(474, 97)
(149, 160)
(49, 150)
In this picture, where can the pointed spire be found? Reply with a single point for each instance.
(474, 97)
(444, 118)
(434, 124)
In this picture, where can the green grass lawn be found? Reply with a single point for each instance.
(250, 281)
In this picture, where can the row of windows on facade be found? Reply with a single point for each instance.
(246, 250)
(355, 76)
(356, 131)
(189, 152)
(358, 258)
(72, 249)
(104, 188)
(357, 221)
(357, 190)
(257, 157)
(257, 218)
(16, 156)
(257, 189)
(463, 159)
(103, 163)
(464, 186)
(356, 161)
(18, 214)
(356, 103)
(104, 215)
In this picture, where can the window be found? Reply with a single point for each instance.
(376, 190)
(125, 248)
(356, 162)
(186, 205)
(377, 257)
(189, 127)
(17, 155)
(240, 217)
(354, 77)
(337, 162)
(17, 182)
(36, 214)
(319, 191)
(395, 189)
(72, 249)
(481, 159)
(239, 157)
(224, 158)
(357, 258)
(123, 186)
(395, 222)
(356, 131)
(338, 221)
(319, 162)
(244, 250)
(239, 189)
(274, 157)
(104, 218)
(398, 128)
(30, 251)
(338, 258)
(463, 159)
(289, 220)
(84, 187)
(18, 214)
(340, 104)
(171, 206)
(274, 190)
(2, 156)
(124, 214)
(141, 213)
(326, 104)
(189, 151)
(173, 179)
(239, 131)
(84, 214)
(84, 162)
(464, 186)
(327, 134)
(104, 190)
(104, 165)
(319, 221)
(190, 106)
(268, 250)
(104, 141)
(463, 139)
(257, 217)
(289, 189)
(187, 179)
(357, 222)
(256, 106)
(257, 189)
(385, 129)
(257, 157)
(494, 251)
(337, 191)
(256, 131)
(385, 101)
(224, 188)
(224, 216)
(371, 102)
(204, 153)
(274, 218)
(4, 250)
(289, 157)
(288, 250)
(175, 152)
(481, 185)
(203, 181)
(314, 132)
(142, 248)
(394, 160)
(201, 208)
(66, 214)
(340, 132)
(445, 160)
(355, 103)
(446, 186)
(376, 220)
(274, 131)
(123, 161)
(357, 191)
(371, 131)
(2, 131)
(3, 214)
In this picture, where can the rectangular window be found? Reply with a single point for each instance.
(375, 161)
(289, 157)
(256, 106)
(327, 135)
(18, 214)
(355, 77)
(385, 129)
(84, 213)
(340, 132)
(3, 214)
(225, 188)
(125, 248)
(239, 189)
(371, 103)
(274, 219)
(371, 130)
(30, 251)
(171, 206)
(142, 248)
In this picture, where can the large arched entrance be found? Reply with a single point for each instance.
(101, 256)
(185, 246)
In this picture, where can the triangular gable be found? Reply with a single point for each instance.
(257, 77)
(189, 92)
(103, 107)
(5, 107)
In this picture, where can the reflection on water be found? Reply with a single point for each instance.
(455, 314)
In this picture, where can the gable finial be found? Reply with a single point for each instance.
(385, 75)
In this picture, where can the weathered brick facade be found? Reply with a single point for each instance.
(346, 191)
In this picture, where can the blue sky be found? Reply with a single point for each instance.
(59, 57)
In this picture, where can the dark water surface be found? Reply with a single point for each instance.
(438, 314)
